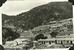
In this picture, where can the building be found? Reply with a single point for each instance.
(60, 40)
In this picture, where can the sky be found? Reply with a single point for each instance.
(16, 7)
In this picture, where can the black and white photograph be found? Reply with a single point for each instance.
(28, 25)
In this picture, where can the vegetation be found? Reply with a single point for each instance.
(40, 36)
(40, 15)
(8, 34)
(53, 34)
(43, 17)
(42, 21)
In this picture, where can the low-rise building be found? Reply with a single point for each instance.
(62, 40)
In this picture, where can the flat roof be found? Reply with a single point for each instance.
(53, 39)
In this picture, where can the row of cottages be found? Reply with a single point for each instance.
(64, 40)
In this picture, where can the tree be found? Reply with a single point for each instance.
(54, 34)
(40, 36)
(8, 34)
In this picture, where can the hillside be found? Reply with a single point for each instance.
(62, 27)
(47, 19)
(41, 15)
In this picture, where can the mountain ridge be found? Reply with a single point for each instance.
(40, 15)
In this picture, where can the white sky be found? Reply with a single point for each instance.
(16, 7)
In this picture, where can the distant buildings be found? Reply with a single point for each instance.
(62, 40)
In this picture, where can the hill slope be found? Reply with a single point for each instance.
(40, 15)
